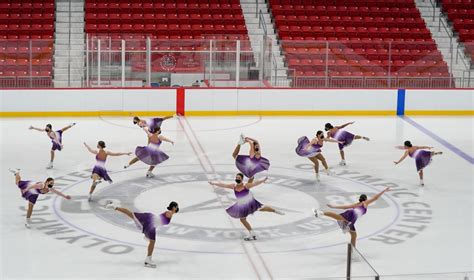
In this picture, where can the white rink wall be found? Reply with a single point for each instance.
(231, 101)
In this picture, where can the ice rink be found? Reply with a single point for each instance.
(410, 230)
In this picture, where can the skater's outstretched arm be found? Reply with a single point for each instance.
(59, 193)
(375, 197)
(256, 183)
(402, 158)
(90, 149)
(343, 206)
(344, 125)
(222, 185)
(423, 147)
(68, 127)
(118, 154)
(162, 138)
(35, 128)
(332, 140)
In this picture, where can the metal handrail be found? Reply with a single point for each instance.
(262, 23)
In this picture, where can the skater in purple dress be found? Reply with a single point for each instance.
(254, 162)
(246, 204)
(151, 154)
(31, 190)
(152, 124)
(147, 223)
(348, 218)
(56, 138)
(312, 150)
(99, 172)
(346, 137)
(421, 156)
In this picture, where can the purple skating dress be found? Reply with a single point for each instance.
(154, 124)
(351, 216)
(312, 151)
(30, 195)
(57, 146)
(245, 204)
(99, 169)
(151, 154)
(251, 166)
(343, 136)
(147, 222)
(422, 158)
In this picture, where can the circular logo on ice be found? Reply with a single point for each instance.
(396, 217)
(168, 62)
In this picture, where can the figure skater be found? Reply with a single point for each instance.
(147, 223)
(422, 157)
(344, 136)
(153, 124)
(31, 190)
(348, 218)
(56, 138)
(254, 162)
(246, 204)
(99, 172)
(312, 150)
(151, 154)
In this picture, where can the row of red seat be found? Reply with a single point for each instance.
(165, 29)
(25, 61)
(158, 7)
(24, 71)
(369, 3)
(348, 22)
(112, 2)
(164, 19)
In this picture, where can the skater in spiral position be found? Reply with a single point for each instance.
(348, 218)
(312, 150)
(99, 172)
(56, 138)
(31, 190)
(254, 162)
(420, 154)
(346, 137)
(246, 204)
(147, 223)
(152, 124)
(151, 154)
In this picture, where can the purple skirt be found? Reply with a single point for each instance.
(29, 195)
(422, 159)
(345, 137)
(243, 210)
(351, 218)
(102, 172)
(251, 166)
(146, 222)
(57, 146)
(150, 155)
(302, 151)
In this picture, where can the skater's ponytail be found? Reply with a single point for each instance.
(136, 120)
(408, 144)
(362, 198)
